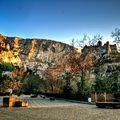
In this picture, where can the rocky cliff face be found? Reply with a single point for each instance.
(40, 55)
(36, 54)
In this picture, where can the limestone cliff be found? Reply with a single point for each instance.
(38, 55)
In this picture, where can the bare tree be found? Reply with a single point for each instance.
(86, 40)
(82, 42)
(95, 39)
(116, 35)
(73, 42)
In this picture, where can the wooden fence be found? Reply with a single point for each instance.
(102, 97)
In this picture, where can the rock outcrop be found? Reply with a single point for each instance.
(37, 55)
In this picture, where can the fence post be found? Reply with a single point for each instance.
(95, 97)
(105, 96)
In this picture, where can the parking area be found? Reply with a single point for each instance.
(44, 102)
(41, 102)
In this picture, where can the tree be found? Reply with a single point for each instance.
(82, 42)
(5, 67)
(81, 64)
(116, 35)
(70, 88)
(5, 80)
(73, 42)
(107, 79)
(32, 83)
(95, 39)
(86, 40)
(52, 78)
(102, 84)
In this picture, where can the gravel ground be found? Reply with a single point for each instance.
(76, 112)
(44, 109)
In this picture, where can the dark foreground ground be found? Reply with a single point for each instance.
(75, 112)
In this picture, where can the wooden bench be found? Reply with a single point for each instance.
(21, 104)
(14, 102)
(108, 104)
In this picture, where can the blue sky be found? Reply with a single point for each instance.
(60, 20)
